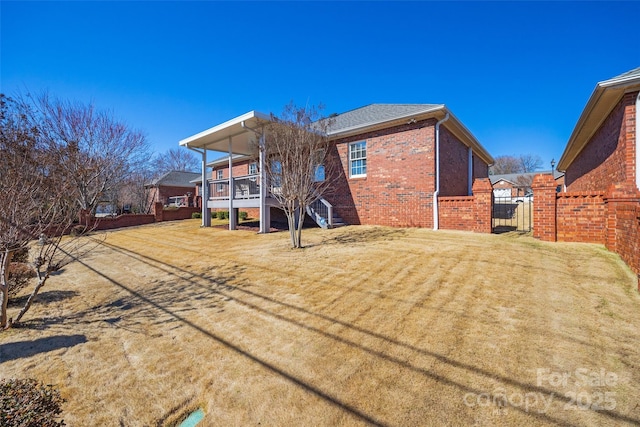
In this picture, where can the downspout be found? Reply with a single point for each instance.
(206, 218)
(437, 192)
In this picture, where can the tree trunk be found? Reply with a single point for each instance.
(300, 225)
(4, 285)
(41, 281)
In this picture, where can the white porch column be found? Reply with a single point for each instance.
(265, 213)
(206, 212)
(232, 193)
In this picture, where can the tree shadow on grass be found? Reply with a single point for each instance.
(44, 297)
(20, 349)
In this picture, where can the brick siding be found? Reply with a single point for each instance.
(611, 218)
(609, 157)
(581, 217)
(467, 213)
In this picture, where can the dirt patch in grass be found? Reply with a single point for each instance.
(366, 325)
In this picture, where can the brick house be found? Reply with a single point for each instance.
(396, 161)
(601, 162)
(603, 148)
(514, 185)
(173, 188)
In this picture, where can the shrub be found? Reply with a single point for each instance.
(196, 215)
(28, 403)
(243, 215)
(226, 214)
(77, 230)
(220, 214)
(20, 272)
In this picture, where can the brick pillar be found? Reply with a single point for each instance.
(483, 204)
(84, 217)
(544, 207)
(620, 198)
(617, 195)
(157, 210)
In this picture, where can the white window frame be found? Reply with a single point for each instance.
(253, 166)
(219, 175)
(353, 160)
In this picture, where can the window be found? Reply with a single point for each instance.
(253, 168)
(219, 187)
(276, 172)
(319, 174)
(358, 159)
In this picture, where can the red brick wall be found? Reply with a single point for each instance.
(163, 193)
(628, 236)
(454, 165)
(253, 213)
(126, 220)
(456, 213)
(468, 213)
(544, 208)
(609, 157)
(240, 168)
(580, 217)
(179, 213)
(399, 185)
(480, 168)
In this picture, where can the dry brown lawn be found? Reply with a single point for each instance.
(366, 325)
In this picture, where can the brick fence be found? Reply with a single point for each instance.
(611, 218)
(468, 213)
(131, 220)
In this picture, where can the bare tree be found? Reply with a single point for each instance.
(297, 165)
(530, 162)
(176, 159)
(93, 149)
(135, 193)
(38, 202)
(523, 163)
(505, 165)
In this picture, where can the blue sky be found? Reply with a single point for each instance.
(517, 74)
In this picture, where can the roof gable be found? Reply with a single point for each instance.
(606, 95)
(375, 114)
(174, 179)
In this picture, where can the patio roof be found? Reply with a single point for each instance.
(217, 137)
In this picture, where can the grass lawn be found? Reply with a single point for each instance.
(365, 326)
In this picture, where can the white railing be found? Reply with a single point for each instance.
(244, 187)
(322, 212)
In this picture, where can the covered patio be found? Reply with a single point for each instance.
(239, 137)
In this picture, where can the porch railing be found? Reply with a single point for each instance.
(322, 212)
(244, 187)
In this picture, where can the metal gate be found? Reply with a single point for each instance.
(513, 213)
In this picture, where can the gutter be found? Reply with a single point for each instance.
(437, 192)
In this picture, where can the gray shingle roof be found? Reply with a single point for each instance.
(629, 74)
(175, 179)
(377, 113)
(513, 177)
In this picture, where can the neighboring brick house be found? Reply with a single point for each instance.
(173, 188)
(396, 160)
(514, 185)
(602, 172)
